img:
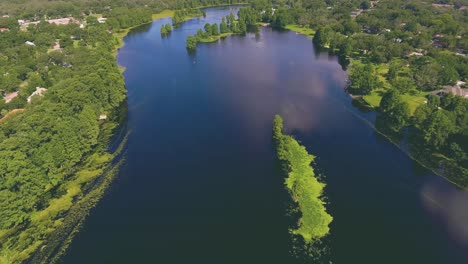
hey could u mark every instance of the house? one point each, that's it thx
(39, 92)
(2, 29)
(455, 90)
(29, 43)
(417, 54)
(10, 96)
(24, 24)
(62, 21)
(356, 13)
(442, 5)
(56, 46)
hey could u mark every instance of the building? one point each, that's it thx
(39, 92)
(63, 21)
(455, 90)
(442, 5)
(10, 96)
(24, 24)
(29, 43)
(102, 20)
(56, 46)
(417, 54)
(2, 29)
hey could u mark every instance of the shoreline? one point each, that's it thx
(167, 13)
(423, 162)
(52, 249)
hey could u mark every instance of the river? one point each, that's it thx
(201, 182)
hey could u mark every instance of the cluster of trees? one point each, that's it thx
(363, 78)
(183, 14)
(247, 21)
(166, 29)
(442, 125)
(302, 184)
(438, 126)
(124, 17)
(212, 32)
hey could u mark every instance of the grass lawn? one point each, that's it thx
(413, 100)
(301, 30)
(373, 99)
(214, 38)
(163, 14)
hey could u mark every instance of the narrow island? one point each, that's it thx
(303, 186)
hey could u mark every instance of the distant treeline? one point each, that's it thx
(39, 8)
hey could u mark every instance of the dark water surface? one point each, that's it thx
(201, 183)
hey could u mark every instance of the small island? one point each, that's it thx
(303, 186)
(166, 29)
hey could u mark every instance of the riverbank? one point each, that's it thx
(438, 163)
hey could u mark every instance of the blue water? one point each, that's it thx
(201, 182)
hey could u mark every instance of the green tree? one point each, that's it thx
(214, 30)
(168, 27)
(322, 37)
(208, 29)
(191, 43)
(363, 79)
(366, 4)
(394, 110)
(457, 152)
(437, 128)
(223, 26)
(403, 84)
(242, 27)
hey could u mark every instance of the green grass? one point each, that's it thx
(214, 38)
(413, 100)
(303, 185)
(163, 14)
(374, 98)
(301, 30)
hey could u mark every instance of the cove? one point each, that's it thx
(201, 183)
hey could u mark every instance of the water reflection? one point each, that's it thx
(201, 183)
